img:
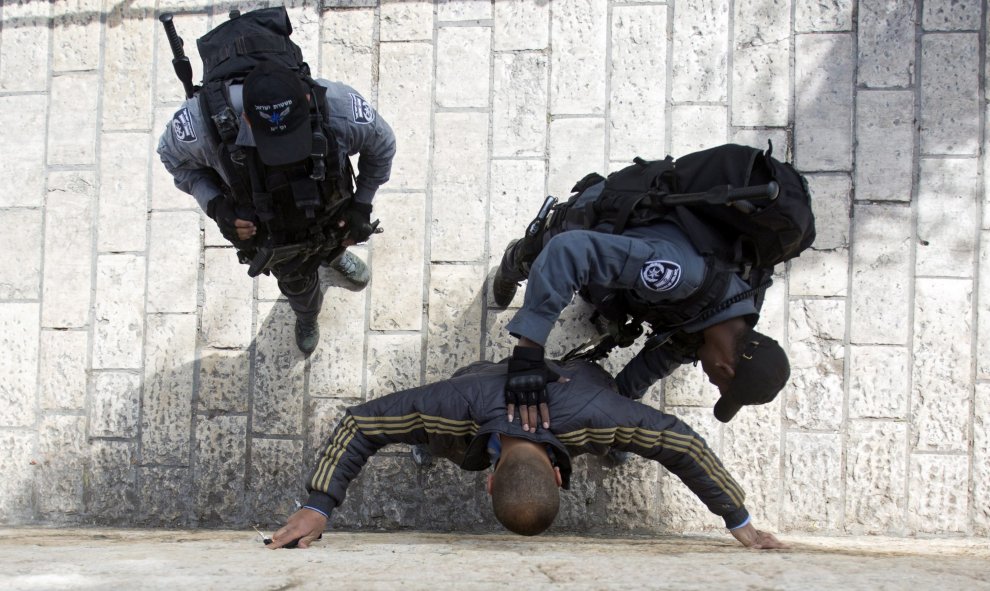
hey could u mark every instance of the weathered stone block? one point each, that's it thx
(638, 84)
(942, 374)
(875, 477)
(878, 386)
(127, 79)
(498, 341)
(279, 379)
(24, 46)
(981, 459)
(462, 54)
(62, 378)
(812, 482)
(688, 386)
(454, 337)
(111, 495)
(573, 327)
(881, 274)
(820, 273)
(577, 147)
(123, 213)
(19, 475)
(406, 20)
(814, 320)
(348, 50)
(397, 262)
(578, 61)
(812, 17)
(460, 187)
(698, 127)
(760, 69)
(62, 454)
(947, 217)
(519, 105)
(166, 496)
(950, 109)
(948, 15)
(395, 362)
(166, 406)
(76, 35)
(219, 469)
(22, 238)
(72, 127)
(463, 10)
(226, 315)
(886, 37)
(773, 316)
(701, 48)
(814, 393)
(939, 498)
(173, 262)
(306, 17)
(752, 439)
(831, 203)
(884, 145)
(18, 364)
(631, 495)
(276, 467)
(224, 381)
(118, 312)
(759, 137)
(823, 130)
(23, 149)
(516, 196)
(67, 281)
(337, 365)
(114, 406)
(521, 24)
(983, 310)
(406, 106)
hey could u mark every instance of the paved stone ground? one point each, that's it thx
(236, 560)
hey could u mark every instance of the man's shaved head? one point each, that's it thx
(525, 493)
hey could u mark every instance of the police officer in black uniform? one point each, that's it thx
(280, 123)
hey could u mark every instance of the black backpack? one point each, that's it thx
(233, 48)
(705, 194)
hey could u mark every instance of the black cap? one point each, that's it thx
(761, 372)
(276, 107)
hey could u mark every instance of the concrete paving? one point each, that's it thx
(236, 560)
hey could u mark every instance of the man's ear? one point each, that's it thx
(558, 477)
(488, 484)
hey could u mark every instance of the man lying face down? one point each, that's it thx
(464, 419)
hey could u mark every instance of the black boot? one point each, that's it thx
(307, 335)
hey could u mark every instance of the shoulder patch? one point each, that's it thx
(182, 127)
(660, 275)
(361, 111)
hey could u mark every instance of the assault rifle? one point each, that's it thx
(269, 256)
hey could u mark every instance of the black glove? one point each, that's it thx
(222, 212)
(525, 386)
(357, 216)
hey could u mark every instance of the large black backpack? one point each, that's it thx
(693, 192)
(233, 48)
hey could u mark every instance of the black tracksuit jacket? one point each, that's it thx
(456, 418)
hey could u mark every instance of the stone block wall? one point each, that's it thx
(146, 380)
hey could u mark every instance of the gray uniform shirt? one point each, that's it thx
(193, 160)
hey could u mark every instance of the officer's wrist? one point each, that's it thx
(526, 353)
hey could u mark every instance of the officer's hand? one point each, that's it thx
(305, 525)
(525, 386)
(357, 220)
(232, 227)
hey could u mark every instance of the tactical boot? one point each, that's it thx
(307, 335)
(502, 291)
(352, 268)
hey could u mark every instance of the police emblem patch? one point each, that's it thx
(182, 127)
(361, 111)
(660, 275)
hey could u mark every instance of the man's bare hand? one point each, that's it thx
(304, 525)
(245, 229)
(756, 539)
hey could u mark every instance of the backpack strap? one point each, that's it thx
(214, 102)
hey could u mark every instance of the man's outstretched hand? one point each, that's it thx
(756, 539)
(526, 386)
(304, 525)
